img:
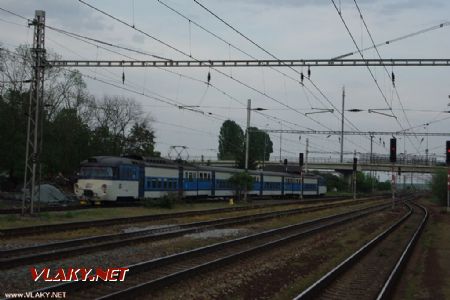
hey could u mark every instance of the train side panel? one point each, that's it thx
(160, 181)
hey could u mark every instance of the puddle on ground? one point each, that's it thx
(216, 233)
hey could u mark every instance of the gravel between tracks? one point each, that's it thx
(35, 240)
(19, 279)
(281, 272)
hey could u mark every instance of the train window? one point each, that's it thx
(201, 175)
(169, 184)
(154, 183)
(209, 176)
(96, 172)
(190, 176)
(164, 183)
(159, 183)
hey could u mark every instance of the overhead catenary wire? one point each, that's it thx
(187, 55)
(391, 76)
(273, 56)
(400, 38)
(79, 37)
(368, 68)
(269, 53)
(109, 44)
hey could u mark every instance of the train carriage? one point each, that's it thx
(109, 178)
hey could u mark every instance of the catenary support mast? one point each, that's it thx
(31, 191)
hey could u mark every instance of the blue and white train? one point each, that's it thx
(111, 178)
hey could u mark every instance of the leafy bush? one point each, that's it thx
(167, 201)
(438, 186)
(241, 182)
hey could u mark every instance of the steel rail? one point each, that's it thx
(27, 255)
(136, 269)
(42, 229)
(386, 291)
(316, 288)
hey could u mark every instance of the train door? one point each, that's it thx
(180, 182)
(261, 186)
(213, 183)
(141, 181)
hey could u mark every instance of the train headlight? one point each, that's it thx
(104, 188)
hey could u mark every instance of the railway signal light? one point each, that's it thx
(300, 159)
(393, 150)
(355, 163)
(285, 161)
(447, 157)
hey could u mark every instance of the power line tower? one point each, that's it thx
(32, 176)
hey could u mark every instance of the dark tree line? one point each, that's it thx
(232, 144)
(76, 124)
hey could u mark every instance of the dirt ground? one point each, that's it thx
(427, 275)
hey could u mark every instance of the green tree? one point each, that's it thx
(260, 146)
(141, 140)
(241, 182)
(231, 141)
(384, 186)
(13, 124)
(364, 182)
(438, 186)
(66, 142)
(335, 182)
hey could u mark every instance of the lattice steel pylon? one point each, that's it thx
(32, 176)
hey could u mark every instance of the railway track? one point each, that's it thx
(43, 229)
(372, 271)
(33, 254)
(149, 276)
(11, 211)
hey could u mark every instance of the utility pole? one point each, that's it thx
(31, 190)
(264, 152)
(247, 141)
(371, 160)
(355, 169)
(281, 139)
(342, 124)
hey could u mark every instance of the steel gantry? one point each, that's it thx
(369, 133)
(417, 62)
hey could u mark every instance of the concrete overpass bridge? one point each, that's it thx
(334, 165)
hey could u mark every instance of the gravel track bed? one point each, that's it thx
(35, 240)
(19, 279)
(365, 279)
(272, 275)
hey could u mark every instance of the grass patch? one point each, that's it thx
(12, 221)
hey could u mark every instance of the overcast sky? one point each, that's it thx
(288, 29)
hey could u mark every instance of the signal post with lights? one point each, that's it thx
(393, 159)
(355, 168)
(301, 162)
(447, 160)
